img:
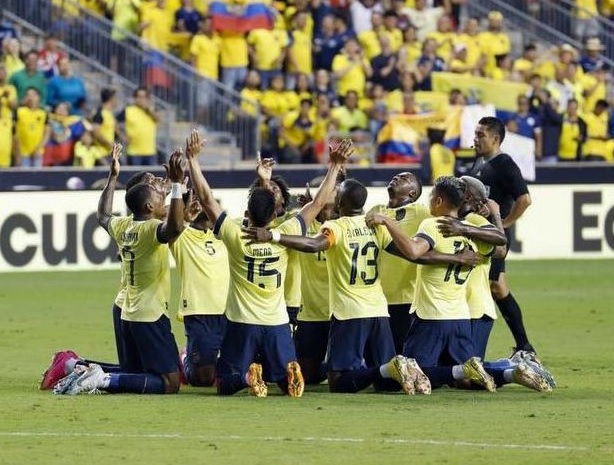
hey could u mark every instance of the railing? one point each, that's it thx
(170, 79)
(102, 77)
(549, 22)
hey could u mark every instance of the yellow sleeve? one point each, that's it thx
(428, 231)
(295, 226)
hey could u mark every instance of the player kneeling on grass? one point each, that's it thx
(202, 263)
(481, 221)
(258, 326)
(150, 348)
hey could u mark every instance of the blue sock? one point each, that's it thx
(357, 380)
(106, 367)
(502, 363)
(439, 376)
(141, 383)
(497, 374)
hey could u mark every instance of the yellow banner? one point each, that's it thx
(501, 94)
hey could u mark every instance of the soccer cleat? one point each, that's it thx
(57, 369)
(528, 376)
(257, 386)
(91, 381)
(474, 371)
(182, 358)
(520, 356)
(66, 383)
(400, 371)
(296, 383)
(422, 384)
(543, 371)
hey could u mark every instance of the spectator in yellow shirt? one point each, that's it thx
(410, 51)
(301, 91)
(297, 135)
(267, 50)
(597, 146)
(351, 69)
(275, 105)
(369, 39)
(156, 26)
(32, 131)
(141, 126)
(444, 36)
(526, 65)
(349, 117)
(470, 38)
(233, 58)
(205, 52)
(494, 41)
(391, 30)
(8, 103)
(573, 134)
(87, 154)
(299, 53)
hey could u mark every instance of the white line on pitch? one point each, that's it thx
(401, 441)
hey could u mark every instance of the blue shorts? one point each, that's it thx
(149, 347)
(204, 335)
(244, 343)
(359, 343)
(480, 332)
(439, 342)
(117, 329)
(311, 339)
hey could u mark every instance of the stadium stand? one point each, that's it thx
(287, 77)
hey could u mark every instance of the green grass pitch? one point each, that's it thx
(568, 311)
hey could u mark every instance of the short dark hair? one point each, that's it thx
(283, 187)
(137, 196)
(261, 206)
(354, 193)
(452, 189)
(107, 94)
(602, 103)
(136, 179)
(494, 125)
(530, 47)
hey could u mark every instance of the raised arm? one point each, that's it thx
(300, 243)
(412, 248)
(174, 225)
(105, 204)
(194, 145)
(338, 156)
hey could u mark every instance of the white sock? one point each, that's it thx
(508, 375)
(384, 370)
(69, 365)
(105, 382)
(458, 373)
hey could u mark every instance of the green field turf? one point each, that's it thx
(568, 308)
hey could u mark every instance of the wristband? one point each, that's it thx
(275, 235)
(176, 191)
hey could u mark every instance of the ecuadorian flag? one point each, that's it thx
(242, 18)
(397, 142)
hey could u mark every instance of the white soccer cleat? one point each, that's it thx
(90, 381)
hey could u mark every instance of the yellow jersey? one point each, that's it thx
(314, 291)
(6, 123)
(354, 79)
(141, 130)
(158, 33)
(296, 133)
(369, 42)
(107, 122)
(268, 47)
(441, 289)
(597, 126)
(395, 36)
(300, 50)
(355, 289)
(233, 53)
(88, 155)
(275, 102)
(398, 276)
(292, 281)
(474, 49)
(202, 263)
(250, 99)
(569, 140)
(206, 53)
(145, 268)
(445, 43)
(479, 298)
(30, 125)
(257, 274)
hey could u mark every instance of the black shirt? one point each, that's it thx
(502, 176)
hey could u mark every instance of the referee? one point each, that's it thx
(507, 187)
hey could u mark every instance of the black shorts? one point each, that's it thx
(497, 265)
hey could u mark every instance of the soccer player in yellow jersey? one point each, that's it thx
(398, 276)
(524, 368)
(202, 262)
(150, 349)
(258, 321)
(359, 331)
(440, 334)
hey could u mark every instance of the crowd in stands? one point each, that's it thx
(347, 67)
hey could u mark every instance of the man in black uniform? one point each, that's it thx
(507, 187)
